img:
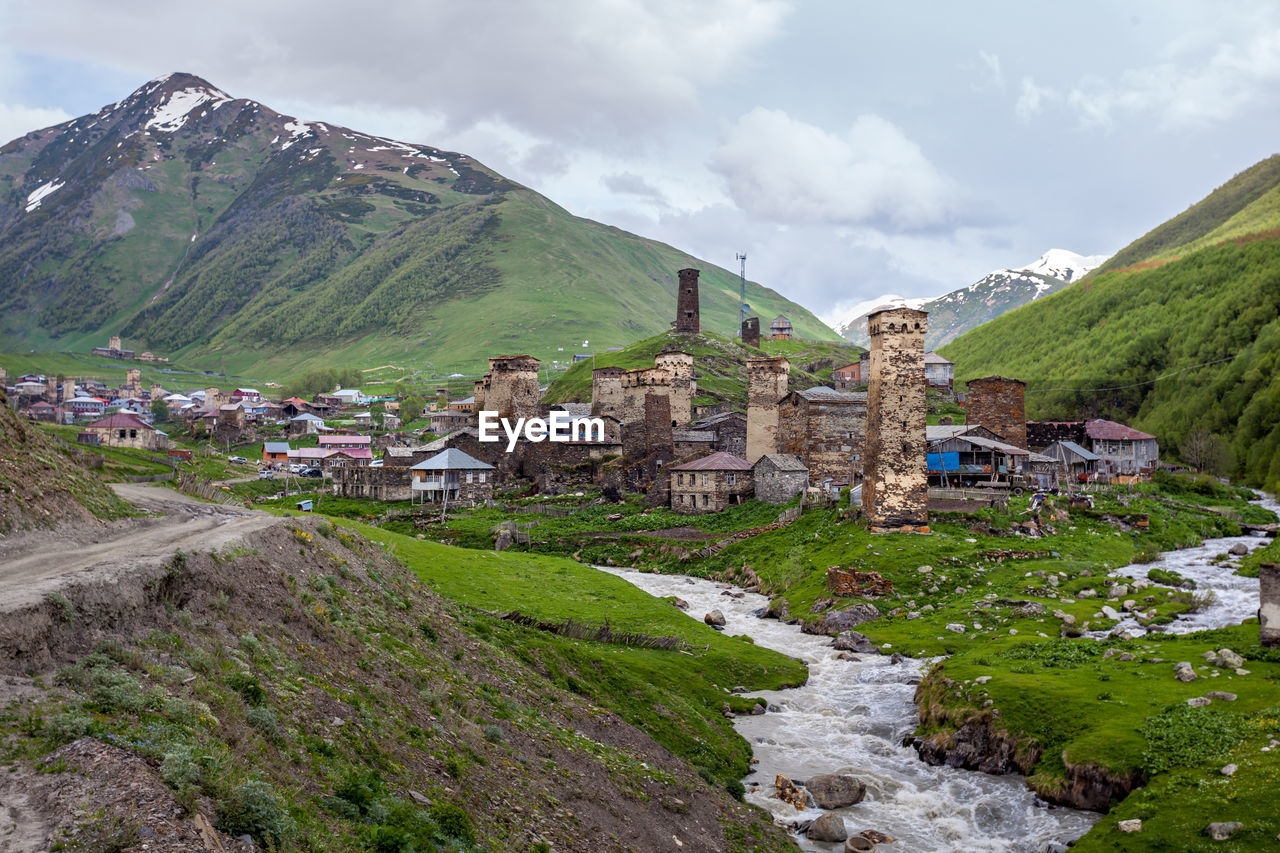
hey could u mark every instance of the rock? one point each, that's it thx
(1228, 658)
(1087, 593)
(681, 603)
(1198, 701)
(1229, 770)
(829, 827)
(1110, 612)
(852, 641)
(757, 709)
(790, 793)
(1053, 580)
(503, 540)
(1125, 656)
(1134, 825)
(955, 627)
(925, 569)
(1238, 550)
(1221, 695)
(1109, 653)
(1223, 831)
(1128, 604)
(851, 617)
(714, 618)
(1184, 672)
(778, 609)
(858, 844)
(831, 791)
(876, 837)
(896, 657)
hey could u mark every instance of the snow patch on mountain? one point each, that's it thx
(40, 193)
(173, 113)
(843, 318)
(1063, 264)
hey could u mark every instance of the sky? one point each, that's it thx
(850, 149)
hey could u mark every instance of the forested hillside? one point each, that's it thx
(1184, 349)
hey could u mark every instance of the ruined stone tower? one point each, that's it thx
(766, 386)
(688, 320)
(157, 393)
(512, 386)
(213, 398)
(895, 491)
(999, 404)
(606, 392)
(133, 379)
(69, 391)
(751, 332)
(478, 398)
(637, 385)
(683, 387)
(113, 343)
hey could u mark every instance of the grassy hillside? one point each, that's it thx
(248, 241)
(720, 364)
(1247, 204)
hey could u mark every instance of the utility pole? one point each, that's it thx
(742, 288)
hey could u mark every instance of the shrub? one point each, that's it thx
(68, 726)
(247, 685)
(1182, 736)
(112, 690)
(1169, 578)
(263, 720)
(493, 734)
(254, 808)
(736, 789)
(453, 821)
(62, 606)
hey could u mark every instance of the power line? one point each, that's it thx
(1137, 384)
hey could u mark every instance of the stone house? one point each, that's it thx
(452, 476)
(779, 477)
(123, 429)
(730, 429)
(826, 430)
(375, 484)
(687, 442)
(938, 372)
(305, 424)
(710, 484)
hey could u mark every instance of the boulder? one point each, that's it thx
(715, 618)
(1229, 770)
(1221, 695)
(1110, 612)
(681, 603)
(1238, 550)
(503, 540)
(842, 620)
(789, 792)
(1183, 671)
(1223, 831)
(858, 844)
(1198, 701)
(832, 791)
(852, 641)
(1230, 659)
(955, 627)
(829, 827)
(1134, 825)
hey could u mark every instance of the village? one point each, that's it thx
(870, 431)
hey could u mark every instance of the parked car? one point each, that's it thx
(238, 459)
(266, 474)
(312, 472)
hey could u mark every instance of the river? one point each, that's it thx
(851, 717)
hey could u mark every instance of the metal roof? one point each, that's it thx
(121, 420)
(934, 358)
(579, 409)
(989, 443)
(452, 459)
(276, 447)
(692, 435)
(1075, 449)
(721, 461)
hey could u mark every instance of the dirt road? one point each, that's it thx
(36, 563)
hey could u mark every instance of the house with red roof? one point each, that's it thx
(123, 429)
(710, 483)
(1122, 451)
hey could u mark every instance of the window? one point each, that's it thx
(704, 479)
(469, 477)
(121, 433)
(733, 479)
(706, 499)
(481, 476)
(133, 433)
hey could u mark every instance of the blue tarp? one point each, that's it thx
(943, 461)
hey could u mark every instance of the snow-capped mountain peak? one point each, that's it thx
(1063, 264)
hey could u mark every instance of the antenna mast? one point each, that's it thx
(742, 287)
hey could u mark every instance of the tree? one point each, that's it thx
(159, 411)
(411, 407)
(1205, 451)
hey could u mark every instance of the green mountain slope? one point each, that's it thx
(216, 229)
(1175, 347)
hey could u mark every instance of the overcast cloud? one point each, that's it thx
(848, 148)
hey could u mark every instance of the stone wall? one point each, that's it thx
(776, 486)
(826, 433)
(895, 492)
(1269, 605)
(999, 404)
(606, 392)
(1043, 434)
(375, 484)
(637, 386)
(512, 386)
(688, 319)
(766, 386)
(751, 332)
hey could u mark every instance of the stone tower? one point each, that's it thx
(51, 389)
(637, 386)
(1269, 604)
(68, 390)
(512, 386)
(478, 392)
(751, 332)
(212, 398)
(606, 392)
(999, 404)
(688, 320)
(895, 491)
(113, 343)
(133, 379)
(766, 386)
(683, 386)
